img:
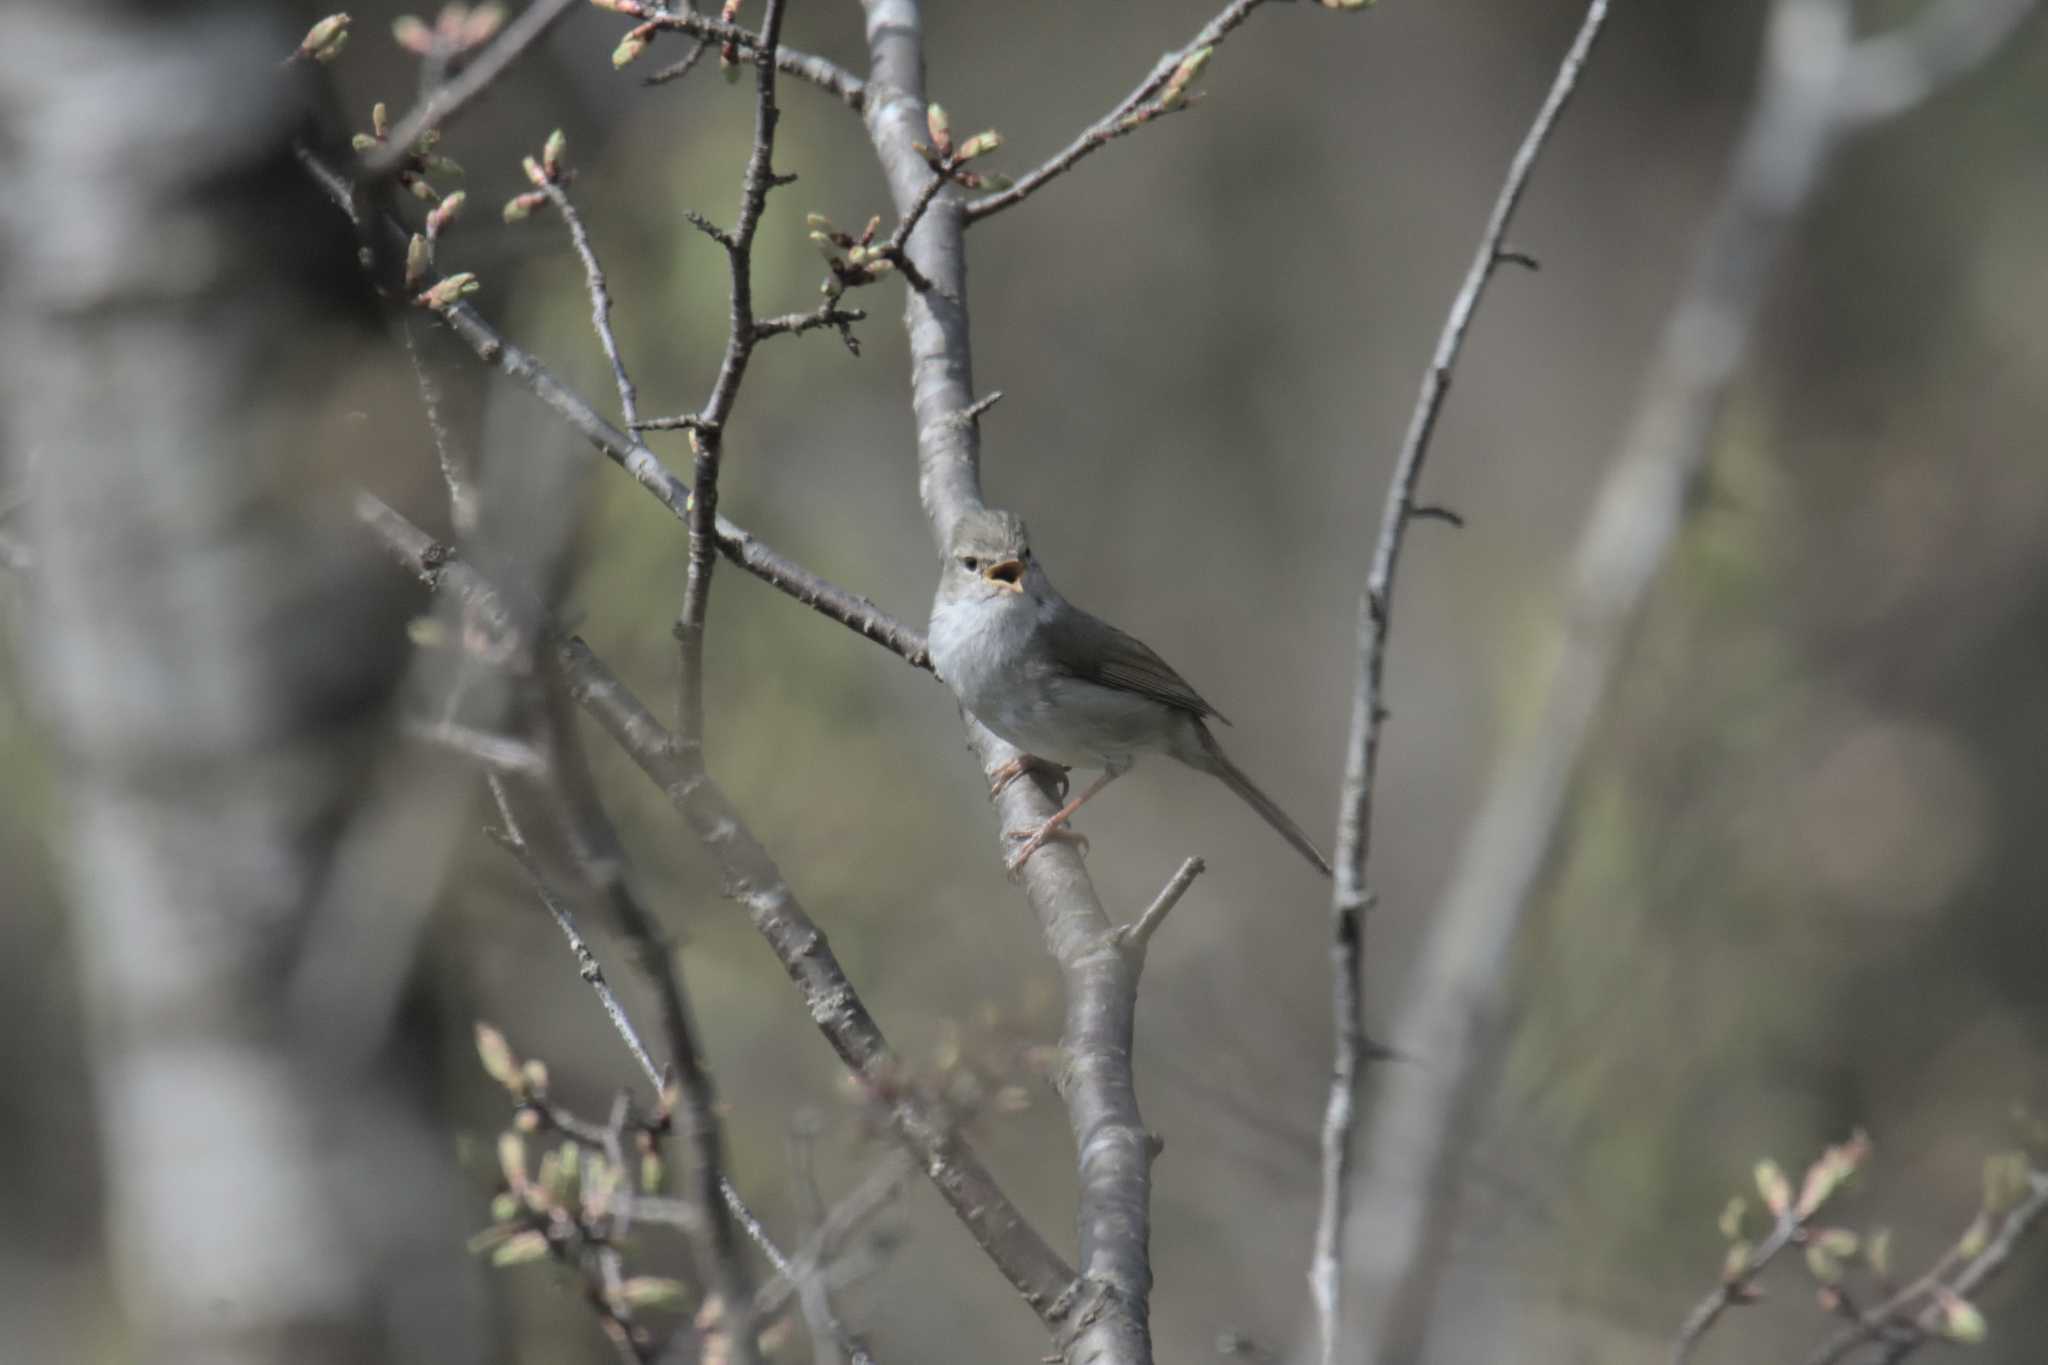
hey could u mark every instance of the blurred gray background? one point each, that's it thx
(1800, 888)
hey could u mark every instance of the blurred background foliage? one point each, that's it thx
(1800, 891)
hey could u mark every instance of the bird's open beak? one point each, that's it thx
(1008, 573)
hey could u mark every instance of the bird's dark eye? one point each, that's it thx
(970, 562)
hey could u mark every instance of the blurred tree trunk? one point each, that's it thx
(208, 662)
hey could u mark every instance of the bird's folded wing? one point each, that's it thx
(1089, 648)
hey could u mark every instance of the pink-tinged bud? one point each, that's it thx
(1877, 1250)
(482, 25)
(534, 170)
(729, 62)
(1960, 1319)
(632, 45)
(323, 41)
(519, 209)
(512, 1161)
(552, 151)
(868, 233)
(632, 9)
(449, 292)
(650, 1291)
(1347, 4)
(492, 1049)
(1772, 1185)
(362, 142)
(729, 11)
(941, 129)
(420, 189)
(979, 145)
(380, 120)
(1191, 66)
(445, 213)
(520, 1248)
(1822, 1265)
(418, 257)
(412, 34)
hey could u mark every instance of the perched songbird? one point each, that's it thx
(1068, 689)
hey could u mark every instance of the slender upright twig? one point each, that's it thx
(1812, 95)
(1350, 897)
(600, 302)
(707, 440)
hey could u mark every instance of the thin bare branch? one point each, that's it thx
(1734, 1288)
(675, 71)
(1797, 122)
(876, 1191)
(827, 76)
(600, 302)
(497, 753)
(1350, 896)
(513, 840)
(465, 500)
(1130, 114)
(478, 76)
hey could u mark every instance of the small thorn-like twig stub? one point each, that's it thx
(1429, 511)
(972, 413)
(1137, 935)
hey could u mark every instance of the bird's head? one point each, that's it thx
(988, 558)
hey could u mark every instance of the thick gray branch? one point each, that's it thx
(1110, 1324)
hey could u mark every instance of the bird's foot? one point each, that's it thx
(1023, 765)
(1052, 830)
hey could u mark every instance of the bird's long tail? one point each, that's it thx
(1212, 759)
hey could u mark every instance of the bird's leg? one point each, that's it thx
(1052, 828)
(1022, 765)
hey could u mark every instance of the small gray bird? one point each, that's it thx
(1068, 689)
